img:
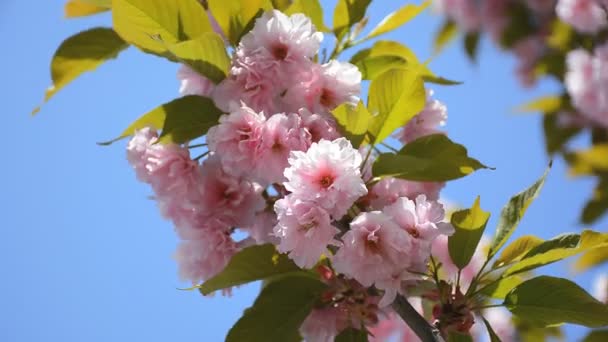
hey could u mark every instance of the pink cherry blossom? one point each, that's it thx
(391, 325)
(199, 260)
(500, 321)
(426, 122)
(137, 149)
(496, 17)
(528, 51)
(171, 171)
(304, 230)
(421, 218)
(584, 15)
(328, 174)
(388, 190)
(236, 138)
(441, 253)
(324, 324)
(464, 13)
(600, 288)
(319, 126)
(375, 251)
(587, 83)
(280, 135)
(193, 83)
(261, 231)
(227, 198)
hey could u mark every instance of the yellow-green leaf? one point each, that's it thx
(433, 158)
(100, 3)
(310, 8)
(516, 250)
(398, 18)
(395, 97)
(502, 287)
(181, 120)
(469, 225)
(353, 121)
(153, 25)
(545, 104)
(445, 35)
(205, 54)
(347, 13)
(513, 212)
(549, 301)
(592, 258)
(236, 17)
(559, 248)
(80, 53)
(251, 264)
(352, 335)
(589, 161)
(80, 8)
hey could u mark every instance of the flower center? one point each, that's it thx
(327, 98)
(413, 232)
(279, 51)
(326, 181)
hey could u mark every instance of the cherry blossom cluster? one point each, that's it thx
(278, 169)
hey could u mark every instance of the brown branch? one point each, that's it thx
(416, 322)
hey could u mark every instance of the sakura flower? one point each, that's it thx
(464, 12)
(324, 324)
(304, 229)
(171, 171)
(388, 190)
(236, 139)
(375, 251)
(496, 17)
(587, 83)
(280, 135)
(425, 123)
(318, 126)
(391, 325)
(261, 231)
(600, 288)
(278, 37)
(528, 51)
(584, 15)
(328, 174)
(227, 198)
(193, 83)
(199, 260)
(136, 151)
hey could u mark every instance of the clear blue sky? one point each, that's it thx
(85, 255)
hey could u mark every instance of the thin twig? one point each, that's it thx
(425, 331)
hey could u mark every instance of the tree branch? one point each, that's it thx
(416, 322)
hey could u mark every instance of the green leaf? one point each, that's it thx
(446, 34)
(398, 18)
(372, 67)
(251, 264)
(181, 120)
(493, 336)
(517, 249)
(469, 225)
(281, 5)
(432, 78)
(80, 8)
(205, 54)
(558, 248)
(433, 158)
(596, 336)
(548, 301)
(454, 336)
(592, 258)
(353, 122)
(395, 97)
(153, 25)
(348, 13)
(556, 134)
(80, 53)
(597, 204)
(502, 287)
(545, 104)
(513, 212)
(471, 42)
(100, 3)
(310, 8)
(237, 17)
(351, 335)
(589, 161)
(278, 311)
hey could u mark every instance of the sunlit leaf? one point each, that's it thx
(347, 13)
(398, 18)
(205, 54)
(100, 3)
(592, 258)
(395, 97)
(445, 35)
(513, 212)
(181, 120)
(433, 158)
(80, 8)
(590, 160)
(353, 122)
(548, 301)
(469, 225)
(517, 249)
(501, 288)
(236, 17)
(80, 53)
(153, 25)
(278, 312)
(310, 8)
(545, 104)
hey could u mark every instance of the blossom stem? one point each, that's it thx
(389, 147)
(425, 331)
(197, 145)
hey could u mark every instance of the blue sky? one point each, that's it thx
(85, 255)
